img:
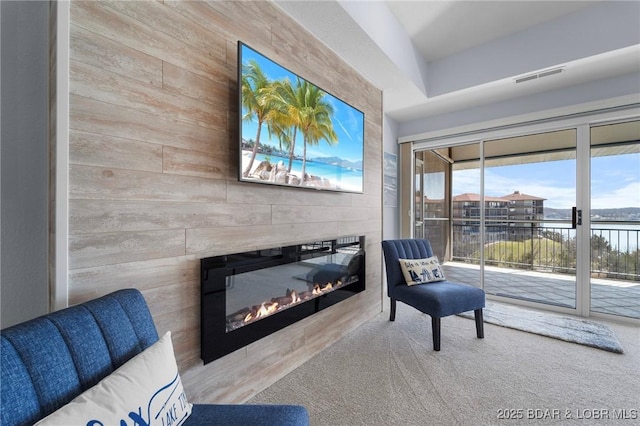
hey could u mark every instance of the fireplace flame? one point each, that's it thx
(267, 308)
(264, 310)
(317, 290)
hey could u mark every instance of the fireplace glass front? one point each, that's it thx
(246, 296)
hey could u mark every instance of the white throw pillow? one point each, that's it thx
(146, 390)
(421, 271)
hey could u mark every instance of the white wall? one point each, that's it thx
(390, 220)
(624, 85)
(24, 164)
(597, 29)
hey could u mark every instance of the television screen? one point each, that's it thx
(292, 132)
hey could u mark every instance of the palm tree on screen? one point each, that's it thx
(286, 109)
(285, 117)
(315, 119)
(255, 86)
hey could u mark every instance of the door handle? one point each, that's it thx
(576, 217)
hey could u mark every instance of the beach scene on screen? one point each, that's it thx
(294, 133)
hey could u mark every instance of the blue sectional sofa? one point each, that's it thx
(48, 361)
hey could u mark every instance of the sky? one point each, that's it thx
(615, 181)
(348, 122)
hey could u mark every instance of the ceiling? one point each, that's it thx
(466, 24)
(436, 57)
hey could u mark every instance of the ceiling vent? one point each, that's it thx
(538, 75)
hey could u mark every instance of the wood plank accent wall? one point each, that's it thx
(153, 176)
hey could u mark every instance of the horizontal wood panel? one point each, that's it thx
(200, 377)
(92, 216)
(106, 249)
(95, 83)
(371, 198)
(95, 281)
(217, 88)
(98, 17)
(180, 323)
(365, 227)
(98, 183)
(99, 117)
(235, 22)
(186, 162)
(318, 215)
(169, 319)
(217, 241)
(158, 17)
(176, 298)
(335, 324)
(109, 151)
(249, 192)
(90, 48)
(186, 347)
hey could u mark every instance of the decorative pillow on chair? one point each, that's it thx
(421, 271)
(146, 390)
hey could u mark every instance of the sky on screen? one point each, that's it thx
(348, 122)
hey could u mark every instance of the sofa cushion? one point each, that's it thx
(248, 414)
(20, 403)
(48, 361)
(145, 390)
(421, 271)
(35, 380)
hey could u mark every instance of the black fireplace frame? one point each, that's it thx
(215, 341)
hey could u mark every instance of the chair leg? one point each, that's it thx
(479, 323)
(392, 315)
(435, 329)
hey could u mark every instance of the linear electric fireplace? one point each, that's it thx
(247, 296)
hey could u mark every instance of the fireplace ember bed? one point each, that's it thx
(247, 296)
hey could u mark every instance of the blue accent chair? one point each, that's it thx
(438, 299)
(48, 361)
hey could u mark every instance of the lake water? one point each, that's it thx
(623, 237)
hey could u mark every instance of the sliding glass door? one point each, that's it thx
(432, 200)
(529, 227)
(615, 219)
(548, 217)
(466, 218)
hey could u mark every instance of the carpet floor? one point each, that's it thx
(386, 373)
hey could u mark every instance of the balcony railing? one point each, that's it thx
(547, 248)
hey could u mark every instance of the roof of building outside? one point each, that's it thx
(468, 196)
(516, 196)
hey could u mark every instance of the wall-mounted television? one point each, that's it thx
(293, 133)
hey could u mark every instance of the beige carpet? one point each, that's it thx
(385, 373)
